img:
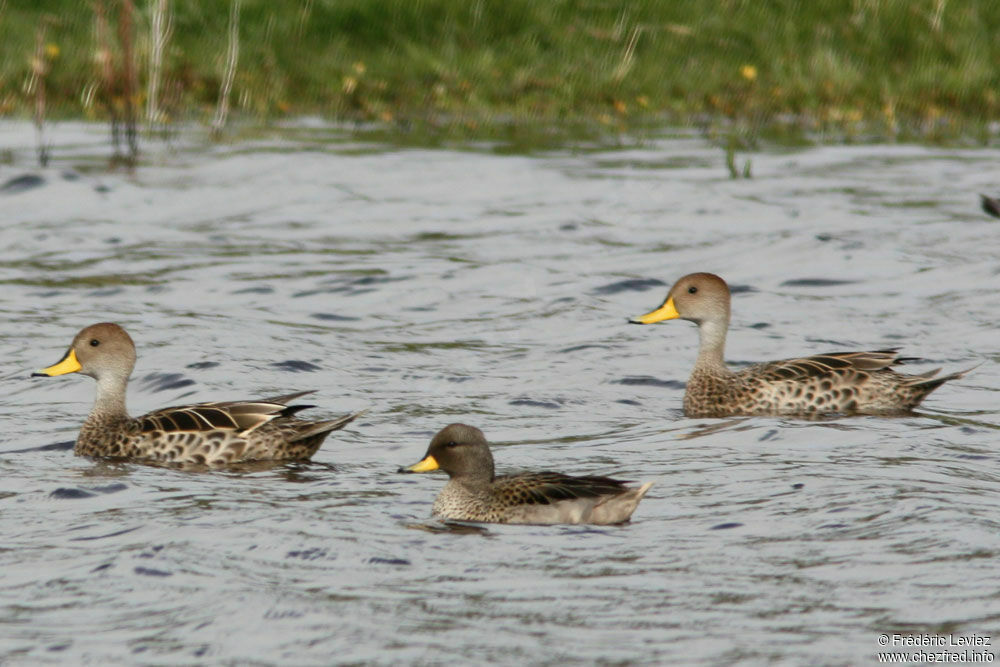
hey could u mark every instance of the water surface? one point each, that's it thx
(433, 286)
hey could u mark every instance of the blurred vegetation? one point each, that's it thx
(839, 69)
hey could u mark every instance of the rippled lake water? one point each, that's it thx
(433, 286)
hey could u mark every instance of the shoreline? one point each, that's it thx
(444, 70)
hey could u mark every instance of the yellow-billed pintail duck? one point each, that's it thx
(838, 382)
(207, 433)
(475, 493)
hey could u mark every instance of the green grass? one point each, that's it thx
(838, 69)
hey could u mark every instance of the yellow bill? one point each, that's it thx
(428, 464)
(68, 364)
(665, 312)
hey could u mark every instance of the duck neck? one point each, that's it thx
(712, 334)
(110, 400)
(480, 471)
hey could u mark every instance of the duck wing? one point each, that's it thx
(544, 488)
(242, 417)
(833, 363)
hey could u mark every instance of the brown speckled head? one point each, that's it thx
(100, 350)
(459, 450)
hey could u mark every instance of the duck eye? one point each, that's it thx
(692, 290)
(451, 443)
(94, 342)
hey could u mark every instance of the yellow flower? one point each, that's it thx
(52, 51)
(748, 72)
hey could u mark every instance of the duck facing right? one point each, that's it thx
(832, 383)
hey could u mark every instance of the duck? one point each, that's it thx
(823, 384)
(991, 205)
(475, 493)
(209, 434)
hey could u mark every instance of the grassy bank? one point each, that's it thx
(910, 68)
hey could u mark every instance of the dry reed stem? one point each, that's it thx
(39, 69)
(130, 75)
(628, 55)
(939, 6)
(105, 62)
(222, 112)
(159, 34)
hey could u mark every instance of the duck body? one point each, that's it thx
(837, 382)
(540, 498)
(210, 434)
(833, 383)
(475, 493)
